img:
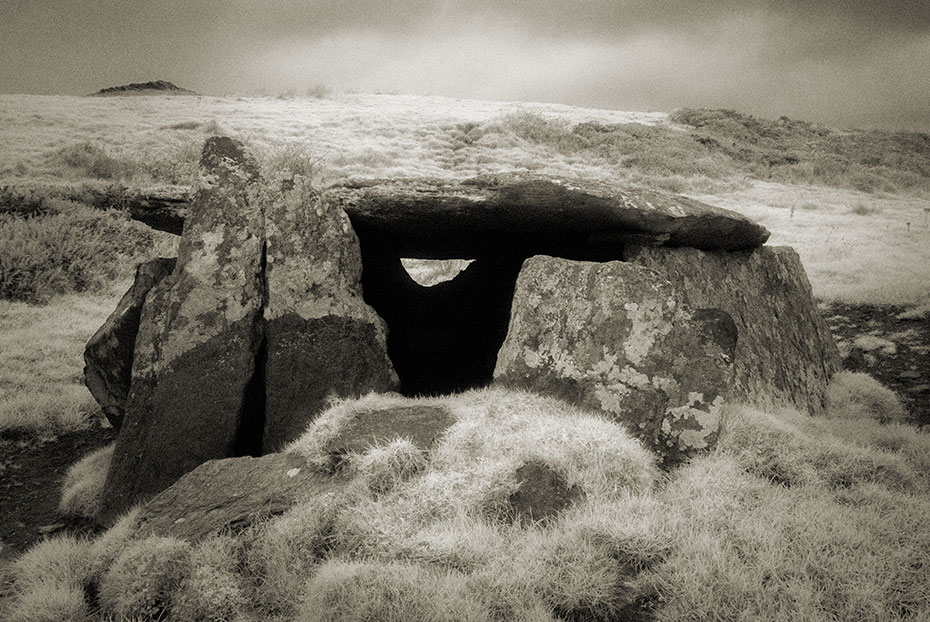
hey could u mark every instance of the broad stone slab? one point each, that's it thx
(431, 218)
(108, 355)
(442, 218)
(322, 340)
(615, 337)
(785, 355)
(197, 341)
(231, 494)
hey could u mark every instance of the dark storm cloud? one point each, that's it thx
(827, 60)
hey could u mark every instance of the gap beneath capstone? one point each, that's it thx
(443, 338)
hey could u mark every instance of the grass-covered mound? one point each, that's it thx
(790, 517)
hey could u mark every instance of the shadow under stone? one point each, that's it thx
(445, 338)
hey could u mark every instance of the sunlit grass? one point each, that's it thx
(41, 361)
(790, 517)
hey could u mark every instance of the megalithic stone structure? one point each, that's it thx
(260, 323)
(198, 338)
(321, 339)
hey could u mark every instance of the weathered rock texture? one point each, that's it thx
(581, 219)
(785, 355)
(423, 425)
(109, 353)
(231, 494)
(615, 337)
(321, 337)
(198, 339)
(261, 321)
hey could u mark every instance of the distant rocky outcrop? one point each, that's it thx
(157, 87)
(653, 309)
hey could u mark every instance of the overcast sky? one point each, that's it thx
(845, 62)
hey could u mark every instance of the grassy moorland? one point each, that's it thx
(790, 518)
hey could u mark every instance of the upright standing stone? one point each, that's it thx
(614, 337)
(198, 338)
(322, 339)
(785, 355)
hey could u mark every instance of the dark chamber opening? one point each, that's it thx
(444, 338)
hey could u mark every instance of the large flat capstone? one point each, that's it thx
(530, 215)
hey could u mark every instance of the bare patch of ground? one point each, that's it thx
(31, 473)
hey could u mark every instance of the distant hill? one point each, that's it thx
(158, 87)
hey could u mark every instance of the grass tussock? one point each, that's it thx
(83, 485)
(804, 153)
(856, 395)
(789, 517)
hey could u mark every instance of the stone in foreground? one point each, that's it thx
(198, 339)
(614, 337)
(232, 494)
(108, 355)
(785, 355)
(322, 340)
(542, 493)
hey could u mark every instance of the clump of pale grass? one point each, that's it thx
(792, 449)
(790, 517)
(83, 487)
(857, 394)
(384, 466)
(285, 550)
(312, 445)
(51, 602)
(392, 590)
(145, 577)
(747, 549)
(50, 581)
(214, 590)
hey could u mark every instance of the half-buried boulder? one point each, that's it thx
(232, 494)
(785, 355)
(615, 338)
(542, 493)
(109, 353)
(321, 339)
(198, 339)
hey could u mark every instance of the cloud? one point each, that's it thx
(831, 60)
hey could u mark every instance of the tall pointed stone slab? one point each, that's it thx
(198, 338)
(615, 338)
(321, 339)
(785, 355)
